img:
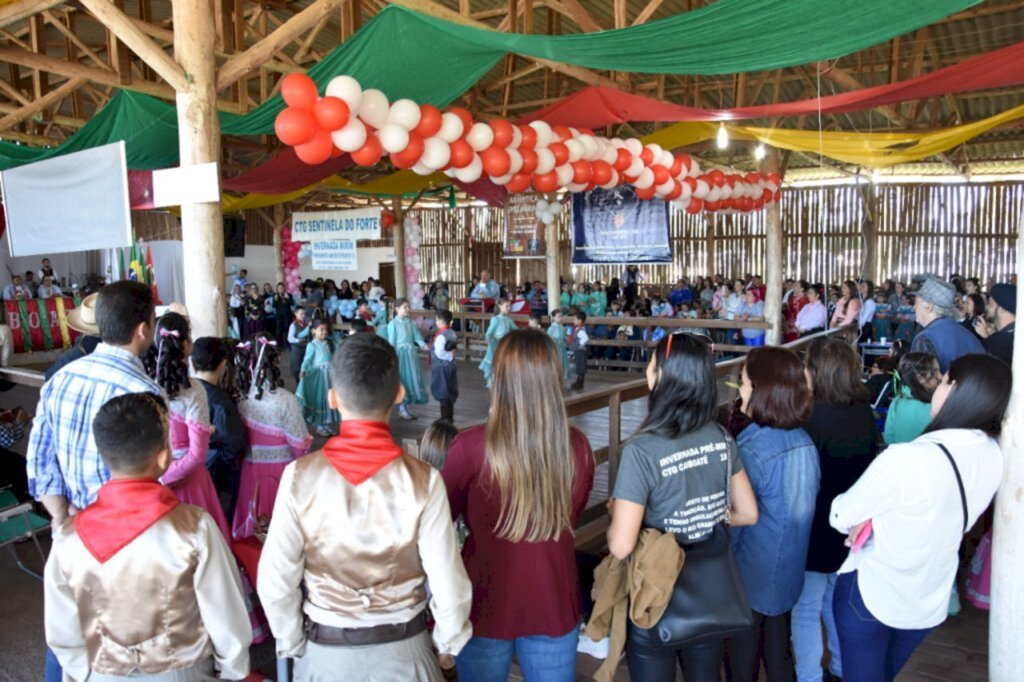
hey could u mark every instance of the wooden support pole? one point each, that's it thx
(279, 220)
(202, 225)
(869, 232)
(22, 9)
(1006, 622)
(398, 239)
(773, 255)
(710, 221)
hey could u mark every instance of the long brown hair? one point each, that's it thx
(781, 398)
(528, 448)
(835, 370)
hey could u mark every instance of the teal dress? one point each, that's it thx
(313, 386)
(882, 321)
(405, 337)
(905, 320)
(565, 300)
(557, 333)
(600, 305)
(907, 418)
(581, 301)
(500, 326)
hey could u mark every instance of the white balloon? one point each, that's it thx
(480, 137)
(666, 159)
(394, 138)
(405, 113)
(589, 144)
(450, 172)
(687, 192)
(574, 187)
(575, 149)
(542, 206)
(564, 174)
(634, 146)
(451, 127)
(351, 137)
(655, 151)
(645, 179)
(610, 154)
(544, 133)
(545, 161)
(500, 179)
(345, 88)
(517, 137)
(472, 172)
(617, 143)
(515, 161)
(436, 153)
(725, 191)
(715, 194)
(665, 187)
(636, 167)
(374, 108)
(547, 219)
(421, 169)
(702, 189)
(695, 169)
(683, 201)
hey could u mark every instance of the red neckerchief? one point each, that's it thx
(123, 510)
(430, 355)
(361, 449)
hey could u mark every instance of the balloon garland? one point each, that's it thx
(421, 137)
(413, 264)
(290, 259)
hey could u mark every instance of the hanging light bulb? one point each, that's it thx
(759, 151)
(722, 139)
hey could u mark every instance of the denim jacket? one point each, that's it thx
(771, 555)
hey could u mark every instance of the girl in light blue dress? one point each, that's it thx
(315, 380)
(406, 338)
(557, 333)
(501, 324)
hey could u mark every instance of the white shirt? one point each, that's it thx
(812, 316)
(867, 312)
(732, 305)
(439, 349)
(376, 293)
(911, 496)
(49, 291)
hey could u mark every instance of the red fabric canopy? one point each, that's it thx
(285, 173)
(596, 107)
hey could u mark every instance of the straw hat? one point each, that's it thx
(83, 318)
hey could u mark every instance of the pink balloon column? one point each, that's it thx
(413, 264)
(290, 258)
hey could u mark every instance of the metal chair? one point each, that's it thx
(17, 523)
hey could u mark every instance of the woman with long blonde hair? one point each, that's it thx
(521, 481)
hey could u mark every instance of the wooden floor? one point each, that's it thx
(955, 652)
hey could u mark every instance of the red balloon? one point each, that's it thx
(587, 131)
(317, 150)
(529, 159)
(661, 175)
(331, 113)
(692, 182)
(560, 151)
(462, 154)
(519, 182)
(712, 205)
(387, 219)
(335, 152)
(681, 164)
(299, 90)
(496, 161)
(502, 133)
(774, 178)
(647, 193)
(602, 172)
(369, 154)
(759, 203)
(716, 177)
(529, 137)
(629, 179)
(623, 159)
(546, 182)
(467, 119)
(752, 178)
(677, 191)
(562, 132)
(430, 121)
(412, 153)
(766, 195)
(695, 206)
(778, 195)
(294, 126)
(647, 156)
(748, 204)
(582, 171)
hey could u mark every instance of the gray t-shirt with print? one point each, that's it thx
(681, 482)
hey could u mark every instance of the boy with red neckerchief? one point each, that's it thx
(444, 380)
(358, 528)
(137, 584)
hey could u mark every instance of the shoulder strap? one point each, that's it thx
(728, 472)
(959, 482)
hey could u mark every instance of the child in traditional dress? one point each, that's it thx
(444, 381)
(358, 530)
(579, 349)
(298, 339)
(137, 569)
(314, 380)
(275, 430)
(500, 325)
(881, 323)
(166, 363)
(556, 330)
(406, 338)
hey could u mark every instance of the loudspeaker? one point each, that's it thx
(234, 237)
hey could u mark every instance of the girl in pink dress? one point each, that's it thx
(167, 364)
(275, 428)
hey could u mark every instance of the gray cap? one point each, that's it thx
(939, 293)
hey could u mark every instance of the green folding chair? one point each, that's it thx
(17, 523)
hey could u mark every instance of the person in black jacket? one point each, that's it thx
(842, 427)
(228, 443)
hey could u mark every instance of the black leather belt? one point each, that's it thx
(378, 634)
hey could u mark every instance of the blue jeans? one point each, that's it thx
(54, 673)
(756, 341)
(872, 651)
(813, 607)
(542, 658)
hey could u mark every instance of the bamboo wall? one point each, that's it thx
(966, 228)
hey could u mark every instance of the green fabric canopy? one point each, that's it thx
(408, 54)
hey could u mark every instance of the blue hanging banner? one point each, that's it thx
(615, 226)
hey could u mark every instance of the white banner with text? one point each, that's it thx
(335, 255)
(353, 224)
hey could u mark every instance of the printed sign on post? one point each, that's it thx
(335, 255)
(354, 224)
(524, 230)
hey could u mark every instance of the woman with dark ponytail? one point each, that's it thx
(166, 362)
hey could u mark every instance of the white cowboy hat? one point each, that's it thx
(83, 318)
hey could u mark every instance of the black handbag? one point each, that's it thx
(709, 602)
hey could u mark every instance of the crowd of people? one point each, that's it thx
(47, 284)
(836, 502)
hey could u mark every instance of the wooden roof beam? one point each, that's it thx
(49, 99)
(23, 9)
(243, 63)
(647, 12)
(55, 21)
(578, 13)
(129, 33)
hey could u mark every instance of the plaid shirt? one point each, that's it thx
(62, 455)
